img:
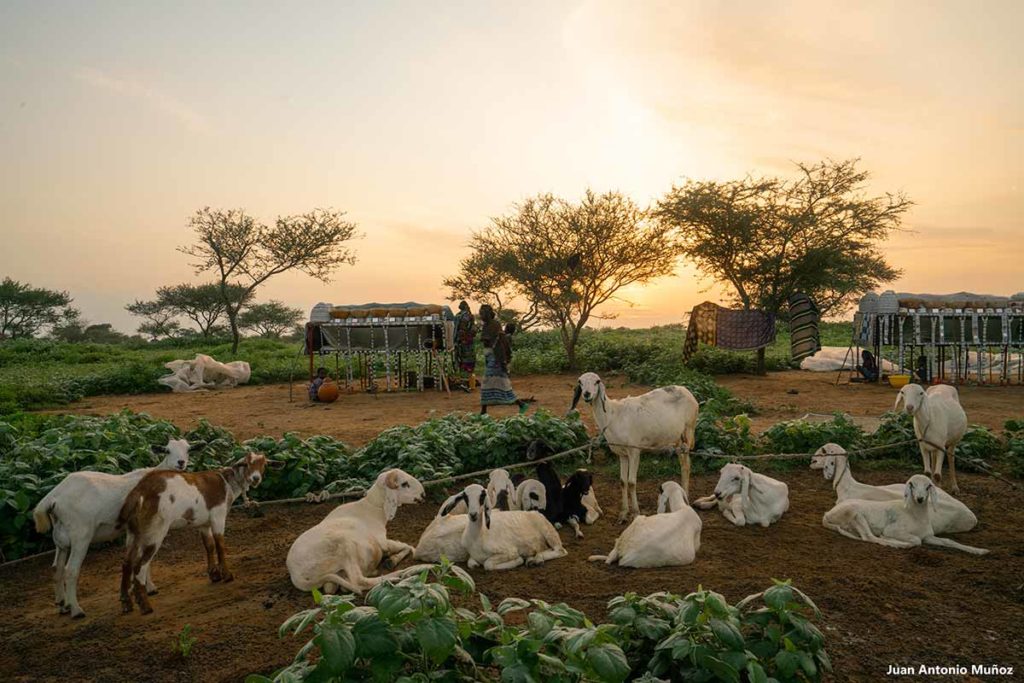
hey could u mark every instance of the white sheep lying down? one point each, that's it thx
(352, 541)
(949, 515)
(503, 540)
(746, 497)
(894, 523)
(667, 539)
(443, 536)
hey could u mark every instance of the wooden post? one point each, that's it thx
(309, 347)
(760, 361)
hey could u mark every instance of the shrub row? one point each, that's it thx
(41, 373)
(37, 452)
(411, 632)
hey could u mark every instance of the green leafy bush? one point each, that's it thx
(979, 444)
(37, 452)
(1013, 431)
(410, 631)
(803, 436)
(896, 427)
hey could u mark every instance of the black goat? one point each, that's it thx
(565, 503)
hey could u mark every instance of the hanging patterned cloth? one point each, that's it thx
(728, 328)
(804, 338)
(702, 328)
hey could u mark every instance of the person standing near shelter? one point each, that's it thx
(496, 389)
(465, 349)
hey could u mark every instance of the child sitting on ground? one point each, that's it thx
(318, 381)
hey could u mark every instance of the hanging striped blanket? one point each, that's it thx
(728, 328)
(803, 326)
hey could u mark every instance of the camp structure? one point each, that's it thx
(953, 338)
(408, 346)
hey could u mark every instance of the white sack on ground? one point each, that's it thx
(830, 359)
(204, 372)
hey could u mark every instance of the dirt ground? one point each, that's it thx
(357, 418)
(880, 605)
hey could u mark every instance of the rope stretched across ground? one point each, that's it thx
(589, 448)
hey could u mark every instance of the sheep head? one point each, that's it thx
(477, 504)
(821, 456)
(249, 469)
(919, 491)
(672, 497)
(588, 386)
(912, 396)
(734, 478)
(175, 455)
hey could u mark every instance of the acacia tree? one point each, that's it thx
(202, 304)
(25, 310)
(480, 279)
(767, 238)
(567, 259)
(244, 253)
(270, 320)
(159, 319)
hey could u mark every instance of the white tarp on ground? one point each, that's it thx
(205, 372)
(830, 359)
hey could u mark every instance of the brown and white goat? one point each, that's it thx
(166, 500)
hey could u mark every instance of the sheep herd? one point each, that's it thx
(512, 521)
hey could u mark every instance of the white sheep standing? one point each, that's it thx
(82, 509)
(661, 419)
(949, 516)
(894, 523)
(939, 423)
(668, 539)
(352, 541)
(747, 497)
(504, 540)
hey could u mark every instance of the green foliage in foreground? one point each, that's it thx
(1013, 431)
(39, 373)
(411, 632)
(37, 452)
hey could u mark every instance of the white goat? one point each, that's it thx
(352, 540)
(499, 482)
(661, 419)
(939, 423)
(667, 539)
(530, 495)
(82, 509)
(894, 523)
(950, 516)
(443, 536)
(503, 540)
(746, 497)
(593, 507)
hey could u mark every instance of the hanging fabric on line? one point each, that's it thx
(728, 328)
(804, 337)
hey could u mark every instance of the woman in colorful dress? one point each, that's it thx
(496, 389)
(465, 336)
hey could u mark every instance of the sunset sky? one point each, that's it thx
(422, 120)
